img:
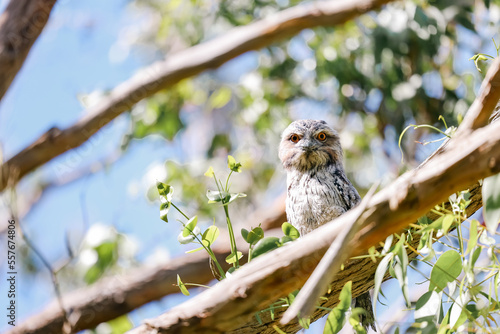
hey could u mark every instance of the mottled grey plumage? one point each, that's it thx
(318, 189)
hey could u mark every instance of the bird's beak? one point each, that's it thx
(308, 146)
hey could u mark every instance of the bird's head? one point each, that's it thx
(308, 145)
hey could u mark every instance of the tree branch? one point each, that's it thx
(20, 25)
(184, 64)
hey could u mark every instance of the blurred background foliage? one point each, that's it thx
(370, 78)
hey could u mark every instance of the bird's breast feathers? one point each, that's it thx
(316, 198)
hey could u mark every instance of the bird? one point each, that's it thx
(318, 189)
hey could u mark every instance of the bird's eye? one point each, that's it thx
(294, 138)
(321, 136)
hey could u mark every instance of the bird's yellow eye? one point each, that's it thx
(294, 138)
(321, 136)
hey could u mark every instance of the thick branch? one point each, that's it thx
(256, 285)
(182, 65)
(20, 25)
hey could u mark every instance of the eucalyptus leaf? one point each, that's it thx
(284, 239)
(428, 305)
(446, 269)
(220, 98)
(231, 258)
(166, 193)
(233, 165)
(194, 250)
(185, 239)
(244, 234)
(447, 222)
(189, 228)
(380, 273)
(400, 273)
(265, 245)
(182, 287)
(436, 225)
(210, 235)
(290, 230)
(336, 317)
(472, 236)
(210, 172)
(491, 200)
(253, 236)
(217, 196)
(233, 197)
(355, 320)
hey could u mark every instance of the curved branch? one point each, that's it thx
(20, 25)
(184, 64)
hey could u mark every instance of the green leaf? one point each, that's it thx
(444, 326)
(253, 236)
(182, 287)
(290, 230)
(336, 318)
(447, 222)
(210, 172)
(284, 239)
(355, 320)
(475, 256)
(244, 234)
(387, 244)
(219, 98)
(232, 259)
(194, 250)
(428, 305)
(446, 269)
(457, 315)
(233, 165)
(491, 200)
(380, 273)
(210, 235)
(233, 197)
(120, 325)
(185, 239)
(472, 236)
(166, 192)
(217, 196)
(372, 251)
(189, 227)
(265, 245)
(345, 297)
(436, 225)
(305, 322)
(402, 278)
